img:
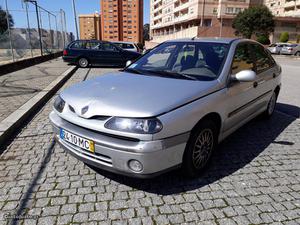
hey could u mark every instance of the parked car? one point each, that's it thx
(93, 52)
(168, 109)
(291, 49)
(276, 47)
(129, 46)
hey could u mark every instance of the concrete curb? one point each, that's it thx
(14, 121)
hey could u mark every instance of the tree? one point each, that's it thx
(263, 39)
(146, 32)
(257, 20)
(3, 21)
(284, 37)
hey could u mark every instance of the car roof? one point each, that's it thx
(206, 39)
(125, 42)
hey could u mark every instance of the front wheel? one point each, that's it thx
(199, 149)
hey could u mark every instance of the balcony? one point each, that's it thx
(289, 4)
(181, 6)
(292, 13)
(186, 33)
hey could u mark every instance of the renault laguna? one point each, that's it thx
(168, 109)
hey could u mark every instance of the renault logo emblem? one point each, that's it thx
(84, 110)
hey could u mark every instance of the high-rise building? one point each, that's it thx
(90, 26)
(122, 20)
(284, 8)
(171, 19)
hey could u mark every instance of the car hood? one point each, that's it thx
(133, 95)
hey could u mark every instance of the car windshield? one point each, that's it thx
(183, 60)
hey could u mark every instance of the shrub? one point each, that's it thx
(284, 37)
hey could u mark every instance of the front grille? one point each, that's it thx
(103, 159)
(101, 118)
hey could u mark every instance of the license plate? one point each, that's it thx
(77, 140)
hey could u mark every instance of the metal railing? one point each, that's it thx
(34, 32)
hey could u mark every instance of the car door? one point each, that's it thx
(93, 49)
(265, 71)
(111, 54)
(241, 96)
(78, 48)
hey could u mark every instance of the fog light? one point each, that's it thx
(135, 165)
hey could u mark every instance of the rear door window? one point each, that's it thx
(93, 45)
(108, 47)
(78, 45)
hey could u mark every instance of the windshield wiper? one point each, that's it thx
(172, 73)
(131, 70)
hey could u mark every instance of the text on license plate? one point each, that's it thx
(77, 140)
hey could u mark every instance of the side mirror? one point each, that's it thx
(128, 63)
(244, 76)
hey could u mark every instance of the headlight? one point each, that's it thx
(59, 104)
(131, 125)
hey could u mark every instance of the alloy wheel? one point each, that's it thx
(272, 104)
(83, 62)
(203, 148)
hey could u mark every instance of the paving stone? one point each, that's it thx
(254, 179)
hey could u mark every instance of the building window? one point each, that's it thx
(207, 22)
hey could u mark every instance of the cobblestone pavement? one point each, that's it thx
(254, 179)
(18, 87)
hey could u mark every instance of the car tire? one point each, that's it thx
(202, 143)
(271, 106)
(297, 53)
(83, 62)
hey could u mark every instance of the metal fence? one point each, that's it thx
(36, 31)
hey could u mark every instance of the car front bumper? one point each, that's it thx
(114, 153)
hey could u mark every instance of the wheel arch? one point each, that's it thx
(277, 89)
(213, 116)
(83, 56)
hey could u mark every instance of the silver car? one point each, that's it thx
(168, 109)
(276, 48)
(291, 49)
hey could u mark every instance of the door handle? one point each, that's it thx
(255, 84)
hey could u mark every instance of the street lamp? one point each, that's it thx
(38, 22)
(75, 18)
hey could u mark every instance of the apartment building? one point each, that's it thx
(188, 18)
(122, 20)
(284, 8)
(89, 26)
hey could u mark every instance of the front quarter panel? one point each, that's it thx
(183, 119)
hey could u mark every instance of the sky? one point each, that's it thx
(82, 6)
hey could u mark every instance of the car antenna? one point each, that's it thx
(193, 38)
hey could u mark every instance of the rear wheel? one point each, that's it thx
(198, 152)
(271, 106)
(297, 53)
(83, 62)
